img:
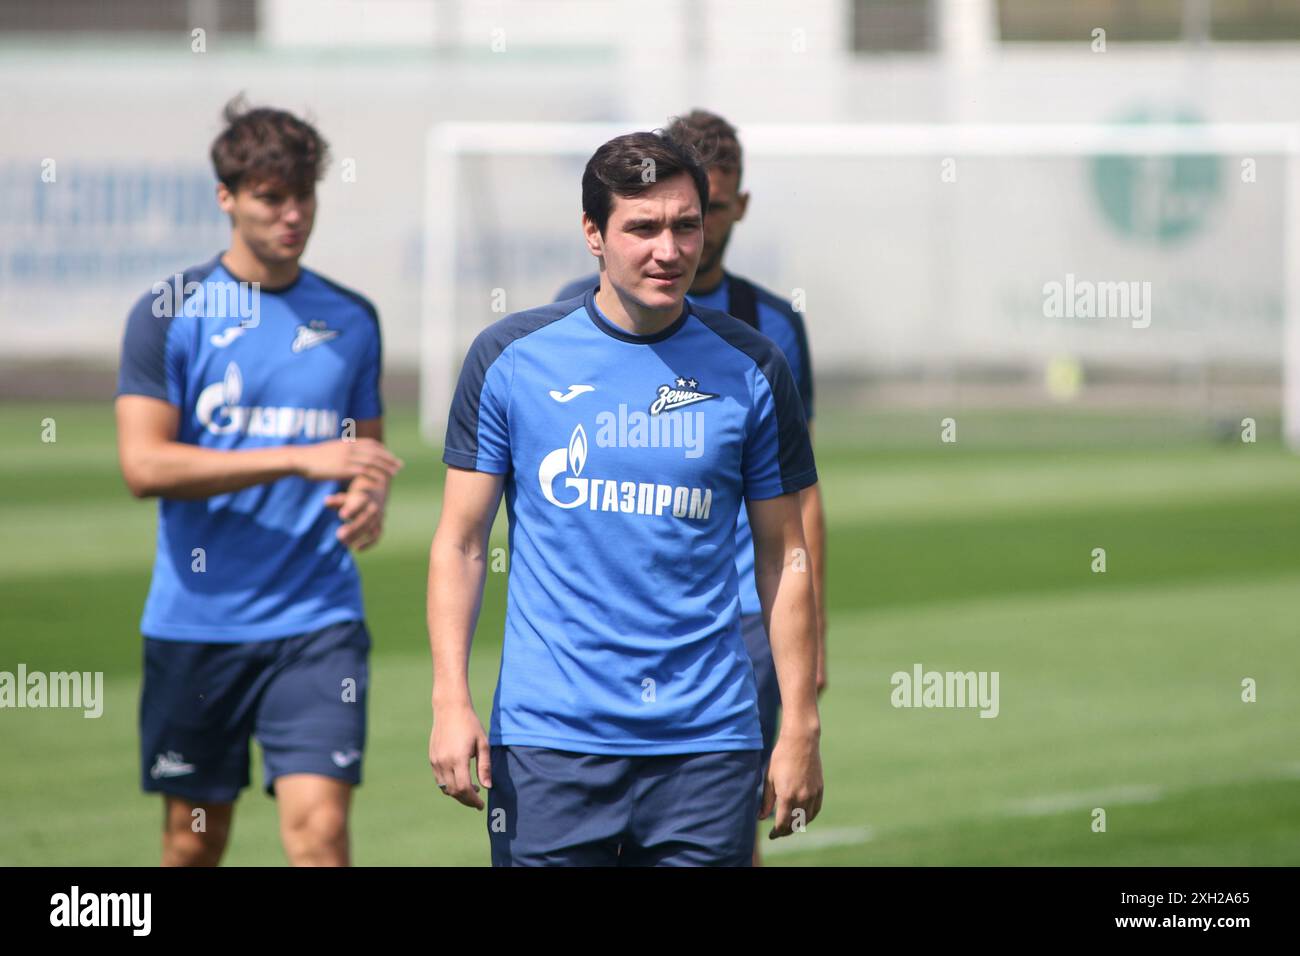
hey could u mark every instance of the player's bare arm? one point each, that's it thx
(794, 780)
(457, 572)
(814, 529)
(155, 464)
(814, 532)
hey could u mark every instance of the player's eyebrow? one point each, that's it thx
(637, 223)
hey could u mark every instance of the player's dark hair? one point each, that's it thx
(712, 137)
(620, 166)
(266, 144)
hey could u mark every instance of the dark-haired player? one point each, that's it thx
(627, 429)
(718, 145)
(248, 403)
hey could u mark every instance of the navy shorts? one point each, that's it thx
(555, 808)
(302, 697)
(769, 692)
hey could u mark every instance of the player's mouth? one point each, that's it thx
(292, 238)
(665, 278)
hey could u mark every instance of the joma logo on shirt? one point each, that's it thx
(218, 410)
(610, 494)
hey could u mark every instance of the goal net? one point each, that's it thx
(1141, 267)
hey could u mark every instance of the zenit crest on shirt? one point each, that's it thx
(776, 319)
(253, 370)
(627, 459)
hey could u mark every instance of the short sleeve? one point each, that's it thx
(777, 457)
(786, 328)
(148, 365)
(478, 429)
(366, 401)
(801, 366)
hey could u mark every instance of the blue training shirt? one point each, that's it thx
(287, 367)
(627, 459)
(778, 320)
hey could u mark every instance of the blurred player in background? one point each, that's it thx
(248, 392)
(627, 428)
(718, 145)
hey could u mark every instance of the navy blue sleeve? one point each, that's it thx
(478, 426)
(478, 423)
(778, 458)
(577, 287)
(803, 367)
(366, 402)
(784, 326)
(152, 364)
(143, 369)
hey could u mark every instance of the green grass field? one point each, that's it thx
(1119, 690)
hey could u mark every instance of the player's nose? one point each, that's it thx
(666, 249)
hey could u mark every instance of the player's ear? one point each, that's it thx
(225, 199)
(742, 203)
(595, 242)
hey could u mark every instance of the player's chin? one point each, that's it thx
(661, 294)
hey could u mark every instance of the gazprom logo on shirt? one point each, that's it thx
(610, 494)
(219, 411)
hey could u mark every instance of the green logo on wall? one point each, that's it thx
(1161, 198)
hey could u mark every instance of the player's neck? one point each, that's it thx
(632, 317)
(243, 265)
(706, 282)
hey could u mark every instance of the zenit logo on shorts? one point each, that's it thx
(622, 622)
(271, 565)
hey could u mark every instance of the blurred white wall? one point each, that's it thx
(128, 129)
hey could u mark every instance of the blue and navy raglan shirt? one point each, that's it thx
(627, 459)
(288, 366)
(775, 318)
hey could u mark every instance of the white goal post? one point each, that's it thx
(442, 342)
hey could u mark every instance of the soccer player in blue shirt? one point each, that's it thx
(248, 403)
(716, 141)
(627, 428)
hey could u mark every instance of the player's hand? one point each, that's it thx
(361, 508)
(344, 459)
(794, 783)
(456, 739)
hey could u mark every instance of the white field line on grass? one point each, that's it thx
(1084, 800)
(1043, 805)
(814, 839)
